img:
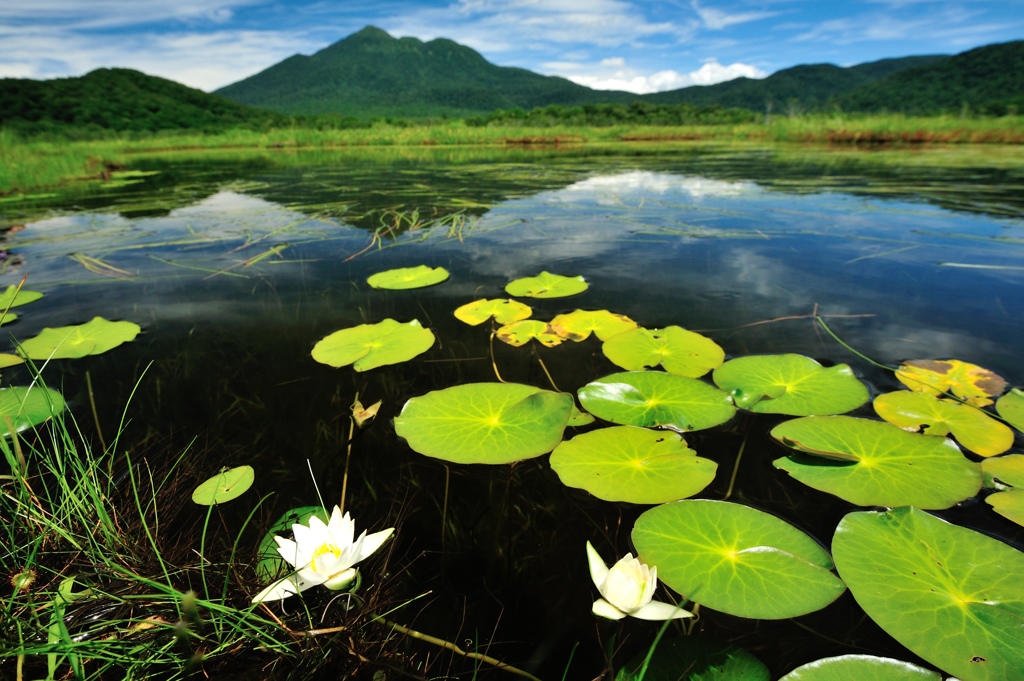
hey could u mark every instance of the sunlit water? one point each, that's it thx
(902, 257)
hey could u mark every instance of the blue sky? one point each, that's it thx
(620, 44)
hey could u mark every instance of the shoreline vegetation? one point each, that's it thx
(39, 162)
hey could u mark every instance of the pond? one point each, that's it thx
(235, 264)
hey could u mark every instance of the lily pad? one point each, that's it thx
(974, 429)
(546, 285)
(408, 277)
(503, 311)
(860, 668)
(9, 360)
(695, 658)
(521, 332)
(580, 418)
(12, 297)
(1009, 504)
(951, 595)
(368, 346)
(71, 342)
(654, 398)
(485, 422)
(7, 317)
(27, 407)
(1011, 407)
(626, 463)
(736, 559)
(1004, 471)
(969, 382)
(790, 384)
(229, 484)
(679, 351)
(873, 463)
(579, 324)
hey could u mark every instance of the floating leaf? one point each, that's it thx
(361, 414)
(969, 382)
(1009, 504)
(485, 422)
(580, 418)
(23, 408)
(12, 297)
(7, 318)
(578, 325)
(790, 384)
(519, 333)
(1004, 471)
(974, 429)
(368, 346)
(1011, 407)
(71, 342)
(408, 277)
(860, 668)
(503, 311)
(626, 463)
(953, 596)
(736, 559)
(873, 463)
(679, 351)
(695, 658)
(270, 565)
(9, 360)
(655, 398)
(546, 285)
(229, 484)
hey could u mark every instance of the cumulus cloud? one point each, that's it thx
(614, 74)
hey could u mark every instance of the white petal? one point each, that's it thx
(318, 533)
(598, 570)
(289, 550)
(373, 542)
(345, 531)
(303, 535)
(334, 524)
(306, 577)
(603, 608)
(656, 610)
(341, 579)
(650, 585)
(282, 588)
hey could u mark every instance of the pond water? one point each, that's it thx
(236, 264)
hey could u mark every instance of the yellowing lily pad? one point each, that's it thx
(790, 384)
(626, 463)
(12, 297)
(654, 398)
(368, 346)
(679, 351)
(969, 382)
(860, 668)
(873, 463)
(485, 422)
(408, 277)
(1009, 504)
(1004, 471)
(578, 325)
(736, 559)
(25, 407)
(546, 285)
(974, 429)
(503, 311)
(1011, 407)
(519, 333)
(951, 595)
(9, 360)
(229, 484)
(71, 342)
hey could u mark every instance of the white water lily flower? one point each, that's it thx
(627, 588)
(322, 554)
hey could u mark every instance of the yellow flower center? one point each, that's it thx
(323, 550)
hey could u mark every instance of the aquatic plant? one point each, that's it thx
(627, 589)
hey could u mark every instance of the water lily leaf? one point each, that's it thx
(974, 429)
(485, 422)
(546, 285)
(1004, 471)
(679, 351)
(790, 384)
(580, 418)
(696, 658)
(12, 297)
(626, 463)
(9, 360)
(951, 595)
(503, 311)
(860, 668)
(408, 277)
(368, 346)
(270, 565)
(1009, 504)
(7, 318)
(654, 398)
(22, 407)
(969, 382)
(1011, 407)
(873, 463)
(736, 559)
(519, 333)
(579, 324)
(71, 342)
(229, 484)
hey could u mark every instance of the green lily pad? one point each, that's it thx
(860, 668)
(271, 566)
(1004, 471)
(695, 658)
(521, 332)
(951, 595)
(736, 559)
(12, 297)
(873, 463)
(546, 285)
(580, 418)
(9, 360)
(7, 317)
(1011, 407)
(26, 407)
(71, 342)
(229, 484)
(579, 324)
(626, 463)
(679, 351)
(974, 429)
(969, 382)
(654, 398)
(485, 422)
(1009, 504)
(368, 346)
(408, 277)
(503, 311)
(790, 384)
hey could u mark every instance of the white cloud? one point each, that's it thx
(614, 74)
(716, 19)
